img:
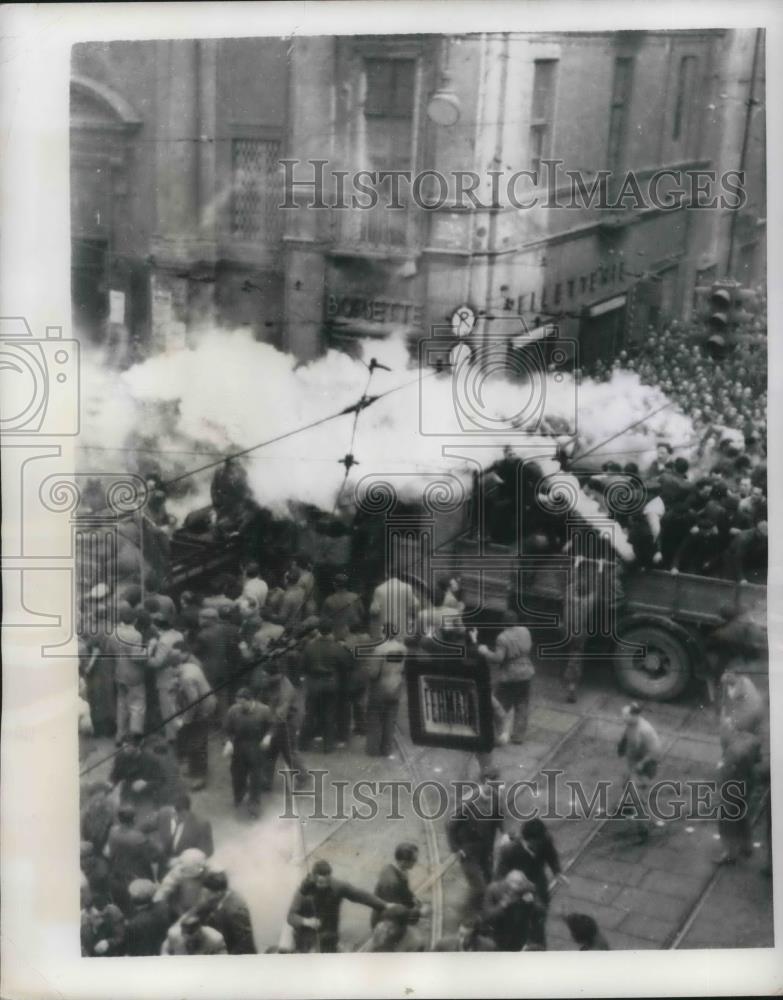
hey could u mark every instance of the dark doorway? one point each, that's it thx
(601, 337)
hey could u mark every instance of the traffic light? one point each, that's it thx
(727, 309)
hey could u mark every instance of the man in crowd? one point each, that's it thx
(254, 587)
(102, 927)
(315, 910)
(148, 922)
(125, 648)
(248, 728)
(512, 915)
(191, 937)
(196, 704)
(136, 769)
(343, 608)
(393, 885)
(163, 661)
(130, 853)
(393, 608)
(223, 909)
(513, 672)
(281, 697)
(324, 663)
(532, 853)
(179, 829)
(384, 669)
(471, 833)
(641, 747)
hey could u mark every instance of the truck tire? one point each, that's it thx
(664, 672)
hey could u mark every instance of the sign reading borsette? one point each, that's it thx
(449, 703)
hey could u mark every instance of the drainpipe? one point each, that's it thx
(746, 135)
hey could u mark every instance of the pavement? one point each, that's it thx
(649, 896)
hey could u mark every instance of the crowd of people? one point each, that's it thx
(706, 514)
(273, 668)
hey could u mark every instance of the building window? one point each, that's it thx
(686, 83)
(257, 189)
(542, 111)
(388, 145)
(618, 111)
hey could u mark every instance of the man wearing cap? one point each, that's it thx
(511, 913)
(315, 910)
(212, 646)
(182, 884)
(514, 671)
(324, 663)
(162, 660)
(148, 922)
(248, 729)
(641, 747)
(223, 909)
(129, 655)
(191, 937)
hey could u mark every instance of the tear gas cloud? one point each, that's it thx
(226, 392)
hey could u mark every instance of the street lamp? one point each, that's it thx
(444, 107)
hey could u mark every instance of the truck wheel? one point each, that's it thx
(661, 671)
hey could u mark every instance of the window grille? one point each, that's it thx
(257, 189)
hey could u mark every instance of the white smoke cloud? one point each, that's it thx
(226, 392)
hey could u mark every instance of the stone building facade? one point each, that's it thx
(184, 151)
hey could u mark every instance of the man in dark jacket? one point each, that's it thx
(102, 928)
(130, 853)
(148, 922)
(325, 662)
(512, 915)
(532, 853)
(248, 727)
(315, 910)
(179, 828)
(281, 697)
(471, 832)
(226, 911)
(393, 885)
(135, 764)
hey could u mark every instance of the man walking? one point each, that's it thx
(248, 727)
(162, 660)
(641, 747)
(471, 833)
(512, 914)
